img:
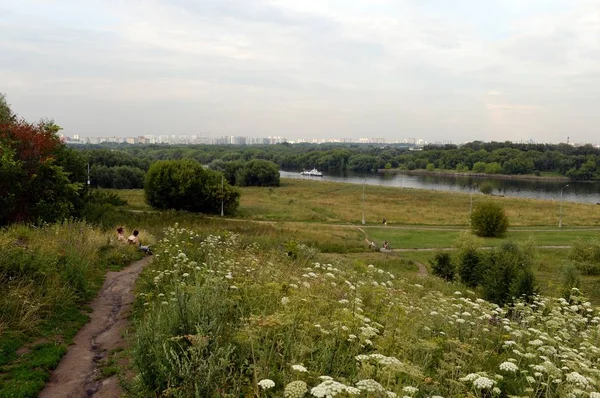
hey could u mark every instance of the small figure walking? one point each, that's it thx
(386, 245)
(384, 222)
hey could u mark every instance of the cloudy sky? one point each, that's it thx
(433, 69)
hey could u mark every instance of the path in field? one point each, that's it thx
(77, 374)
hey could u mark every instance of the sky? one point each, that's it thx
(439, 70)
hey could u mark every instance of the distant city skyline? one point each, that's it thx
(456, 71)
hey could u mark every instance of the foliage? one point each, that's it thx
(256, 172)
(488, 220)
(35, 185)
(486, 188)
(493, 168)
(470, 267)
(186, 185)
(430, 167)
(507, 274)
(6, 114)
(443, 267)
(580, 162)
(462, 168)
(570, 279)
(216, 317)
(586, 256)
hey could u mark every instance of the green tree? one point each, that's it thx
(443, 267)
(489, 220)
(258, 172)
(35, 187)
(508, 274)
(493, 168)
(479, 167)
(6, 114)
(430, 167)
(186, 185)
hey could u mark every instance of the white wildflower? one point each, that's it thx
(266, 384)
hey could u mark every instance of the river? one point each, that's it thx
(581, 192)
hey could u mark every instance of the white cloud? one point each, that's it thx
(307, 68)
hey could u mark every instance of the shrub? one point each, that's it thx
(442, 266)
(508, 275)
(258, 172)
(493, 168)
(479, 167)
(570, 278)
(469, 268)
(430, 167)
(186, 185)
(462, 168)
(486, 188)
(488, 220)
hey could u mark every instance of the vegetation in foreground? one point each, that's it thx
(216, 317)
(47, 275)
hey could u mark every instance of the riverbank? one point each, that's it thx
(474, 175)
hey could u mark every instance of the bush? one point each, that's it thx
(430, 167)
(570, 278)
(186, 185)
(479, 167)
(442, 266)
(462, 168)
(258, 172)
(493, 168)
(469, 267)
(488, 220)
(508, 275)
(486, 188)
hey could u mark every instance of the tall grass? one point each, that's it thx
(331, 202)
(218, 317)
(47, 274)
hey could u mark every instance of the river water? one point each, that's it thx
(582, 192)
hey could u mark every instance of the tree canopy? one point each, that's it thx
(186, 185)
(39, 177)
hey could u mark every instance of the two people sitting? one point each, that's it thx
(132, 240)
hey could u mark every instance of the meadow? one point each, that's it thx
(286, 299)
(219, 317)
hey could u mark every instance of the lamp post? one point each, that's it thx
(560, 207)
(471, 208)
(222, 194)
(363, 203)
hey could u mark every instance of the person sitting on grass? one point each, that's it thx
(120, 235)
(134, 240)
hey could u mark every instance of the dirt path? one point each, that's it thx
(77, 374)
(422, 269)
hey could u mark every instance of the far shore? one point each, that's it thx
(475, 175)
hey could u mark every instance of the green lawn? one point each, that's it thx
(409, 239)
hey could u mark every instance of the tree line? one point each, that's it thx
(123, 166)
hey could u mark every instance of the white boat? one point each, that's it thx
(312, 173)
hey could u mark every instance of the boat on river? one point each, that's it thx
(312, 173)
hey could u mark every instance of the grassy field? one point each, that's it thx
(320, 201)
(329, 202)
(327, 215)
